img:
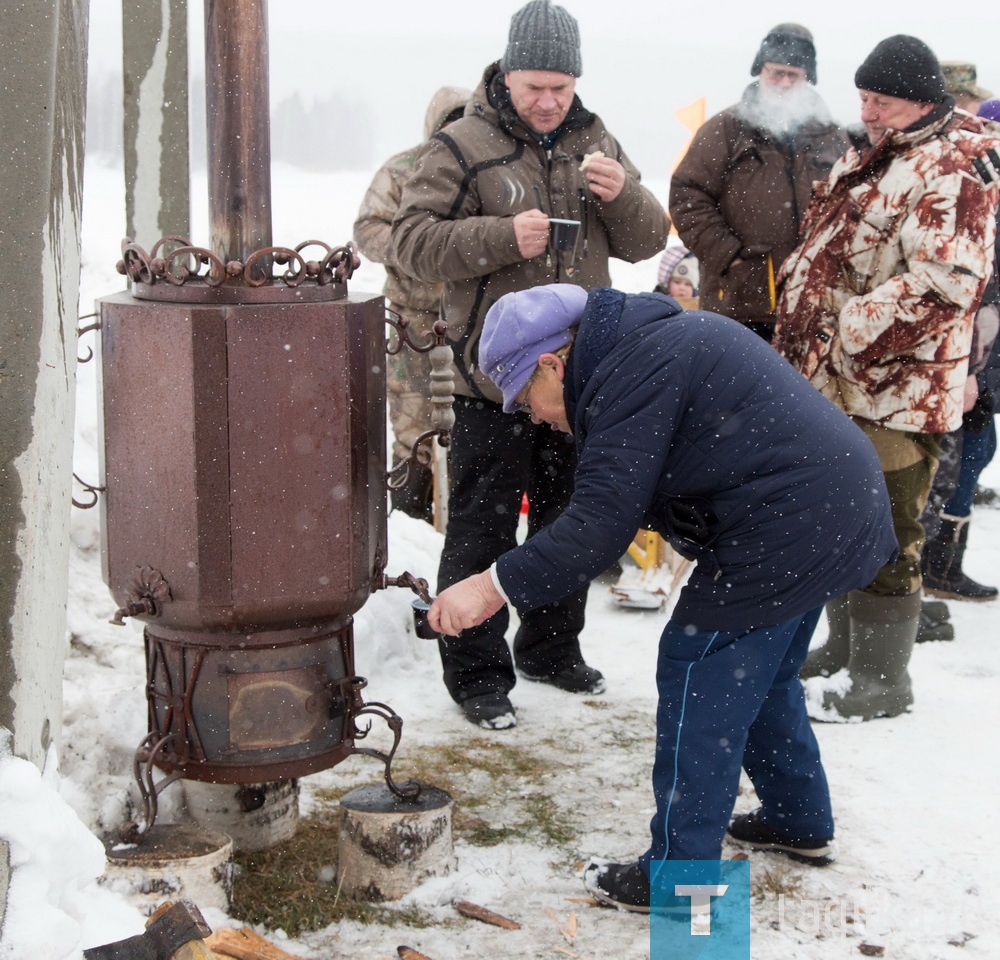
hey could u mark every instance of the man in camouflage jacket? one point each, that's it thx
(475, 216)
(408, 373)
(876, 310)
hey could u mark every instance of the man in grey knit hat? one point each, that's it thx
(475, 216)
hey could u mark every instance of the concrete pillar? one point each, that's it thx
(43, 57)
(155, 70)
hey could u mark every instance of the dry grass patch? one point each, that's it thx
(293, 887)
(502, 792)
(775, 881)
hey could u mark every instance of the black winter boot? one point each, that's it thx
(986, 497)
(416, 496)
(941, 564)
(934, 625)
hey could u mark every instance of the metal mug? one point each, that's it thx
(421, 626)
(563, 234)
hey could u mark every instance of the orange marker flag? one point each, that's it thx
(692, 116)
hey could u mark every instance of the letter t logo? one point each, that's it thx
(701, 901)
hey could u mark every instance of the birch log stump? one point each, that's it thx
(387, 846)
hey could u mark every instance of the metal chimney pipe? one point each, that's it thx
(239, 133)
(246, 526)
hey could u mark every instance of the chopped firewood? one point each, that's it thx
(589, 901)
(569, 953)
(408, 953)
(740, 856)
(245, 944)
(568, 931)
(477, 912)
(871, 950)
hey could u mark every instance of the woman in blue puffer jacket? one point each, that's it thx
(688, 424)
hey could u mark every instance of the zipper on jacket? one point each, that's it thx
(546, 157)
(790, 174)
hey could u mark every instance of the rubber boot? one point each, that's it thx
(941, 564)
(832, 656)
(883, 631)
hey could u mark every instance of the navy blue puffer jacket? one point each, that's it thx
(688, 424)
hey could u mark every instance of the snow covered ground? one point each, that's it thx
(915, 797)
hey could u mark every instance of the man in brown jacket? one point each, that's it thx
(739, 195)
(475, 216)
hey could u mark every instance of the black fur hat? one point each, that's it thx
(789, 44)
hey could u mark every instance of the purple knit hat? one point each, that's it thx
(990, 110)
(520, 327)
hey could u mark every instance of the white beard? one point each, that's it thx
(782, 113)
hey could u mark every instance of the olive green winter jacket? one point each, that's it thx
(456, 217)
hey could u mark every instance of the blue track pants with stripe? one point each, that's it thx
(726, 700)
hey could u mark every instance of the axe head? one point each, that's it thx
(166, 933)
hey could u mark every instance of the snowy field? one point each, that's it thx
(915, 797)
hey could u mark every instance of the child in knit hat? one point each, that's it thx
(678, 275)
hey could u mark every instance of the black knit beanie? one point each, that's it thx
(543, 36)
(789, 44)
(903, 67)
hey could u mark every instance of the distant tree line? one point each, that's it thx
(333, 133)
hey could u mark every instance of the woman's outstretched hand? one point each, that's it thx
(466, 604)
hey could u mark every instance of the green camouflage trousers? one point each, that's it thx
(909, 462)
(408, 378)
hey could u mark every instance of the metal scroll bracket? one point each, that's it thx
(149, 789)
(80, 331)
(442, 393)
(408, 791)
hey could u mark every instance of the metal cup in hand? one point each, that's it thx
(563, 234)
(421, 625)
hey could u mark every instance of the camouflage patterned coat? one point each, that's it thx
(373, 227)
(878, 300)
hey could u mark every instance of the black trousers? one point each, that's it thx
(496, 458)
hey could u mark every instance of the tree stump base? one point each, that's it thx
(387, 846)
(173, 862)
(256, 816)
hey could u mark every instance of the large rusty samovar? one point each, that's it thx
(243, 458)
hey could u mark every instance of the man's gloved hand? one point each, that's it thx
(466, 604)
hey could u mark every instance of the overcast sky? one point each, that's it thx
(642, 59)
